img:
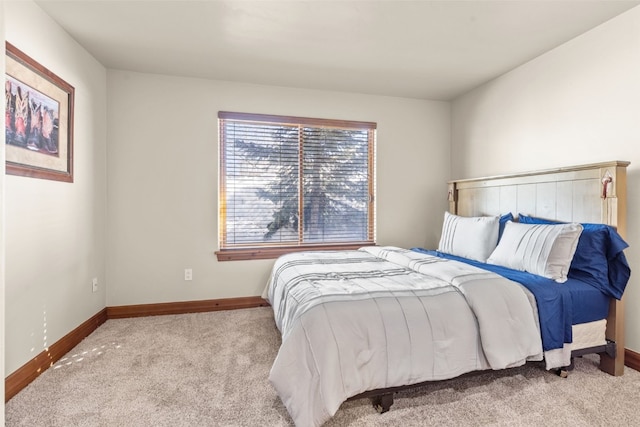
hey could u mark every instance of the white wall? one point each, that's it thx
(2, 225)
(579, 103)
(163, 178)
(55, 231)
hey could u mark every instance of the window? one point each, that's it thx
(292, 183)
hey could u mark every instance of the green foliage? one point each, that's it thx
(335, 180)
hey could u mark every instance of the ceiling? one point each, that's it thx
(417, 49)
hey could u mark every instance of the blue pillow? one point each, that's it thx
(503, 221)
(599, 259)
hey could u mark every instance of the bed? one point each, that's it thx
(373, 321)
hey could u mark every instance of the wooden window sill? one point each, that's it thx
(239, 254)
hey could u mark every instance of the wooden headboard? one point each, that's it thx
(588, 193)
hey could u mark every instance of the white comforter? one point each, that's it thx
(379, 317)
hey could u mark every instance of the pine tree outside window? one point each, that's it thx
(291, 183)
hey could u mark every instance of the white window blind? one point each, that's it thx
(291, 181)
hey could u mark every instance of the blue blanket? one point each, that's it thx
(553, 299)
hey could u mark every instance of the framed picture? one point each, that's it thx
(38, 120)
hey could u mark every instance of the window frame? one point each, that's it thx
(270, 251)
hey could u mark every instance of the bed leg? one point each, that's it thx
(564, 371)
(383, 402)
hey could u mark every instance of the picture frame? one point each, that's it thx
(38, 119)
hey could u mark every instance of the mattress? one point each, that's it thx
(590, 334)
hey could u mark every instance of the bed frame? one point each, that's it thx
(588, 193)
(593, 193)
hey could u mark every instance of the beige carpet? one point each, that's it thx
(211, 369)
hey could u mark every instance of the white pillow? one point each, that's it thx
(469, 237)
(542, 249)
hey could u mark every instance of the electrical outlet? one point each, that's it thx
(94, 284)
(188, 274)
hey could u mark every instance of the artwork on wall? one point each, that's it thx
(38, 120)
